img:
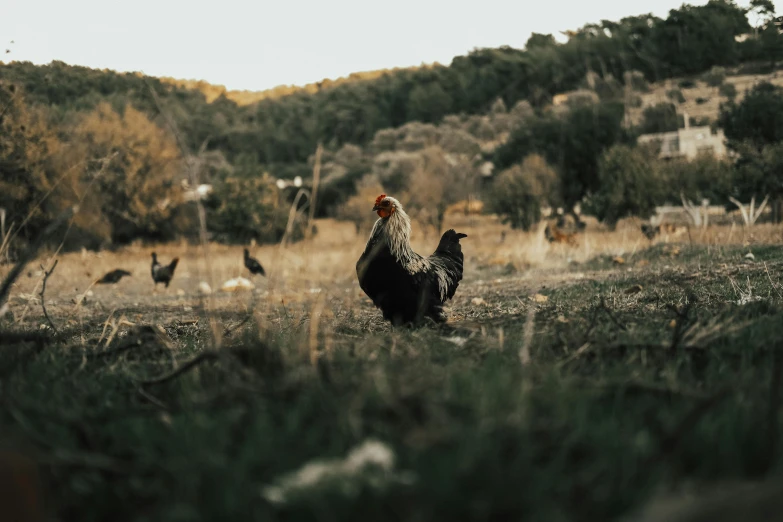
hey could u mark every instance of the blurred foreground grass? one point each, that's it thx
(576, 394)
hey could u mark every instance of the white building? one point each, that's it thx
(688, 142)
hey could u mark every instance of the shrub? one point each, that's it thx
(715, 76)
(518, 192)
(245, 208)
(687, 84)
(728, 90)
(637, 81)
(629, 185)
(357, 208)
(662, 117)
(676, 96)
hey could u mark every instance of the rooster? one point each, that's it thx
(163, 274)
(555, 235)
(406, 286)
(112, 277)
(253, 265)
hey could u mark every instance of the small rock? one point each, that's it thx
(539, 298)
(635, 289)
(478, 301)
(750, 256)
(617, 260)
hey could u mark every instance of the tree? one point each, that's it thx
(694, 38)
(244, 207)
(629, 185)
(728, 90)
(715, 76)
(357, 209)
(761, 10)
(771, 45)
(756, 119)
(571, 142)
(32, 191)
(755, 131)
(428, 103)
(139, 189)
(537, 41)
(517, 193)
(704, 177)
(440, 179)
(662, 117)
(759, 174)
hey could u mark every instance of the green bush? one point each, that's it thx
(629, 185)
(728, 90)
(244, 208)
(637, 81)
(518, 192)
(687, 84)
(676, 95)
(715, 76)
(662, 117)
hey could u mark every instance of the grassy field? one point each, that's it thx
(613, 380)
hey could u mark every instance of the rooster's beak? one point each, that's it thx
(376, 208)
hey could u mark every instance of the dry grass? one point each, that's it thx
(590, 395)
(325, 265)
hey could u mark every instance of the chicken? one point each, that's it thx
(555, 235)
(665, 229)
(406, 286)
(163, 274)
(253, 265)
(112, 277)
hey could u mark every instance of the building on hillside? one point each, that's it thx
(688, 142)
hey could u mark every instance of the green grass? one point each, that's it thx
(615, 404)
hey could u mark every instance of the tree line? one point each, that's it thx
(73, 133)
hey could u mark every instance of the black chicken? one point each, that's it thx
(112, 277)
(404, 285)
(650, 231)
(253, 265)
(163, 274)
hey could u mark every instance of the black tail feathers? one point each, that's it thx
(449, 242)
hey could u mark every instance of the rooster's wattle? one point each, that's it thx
(406, 286)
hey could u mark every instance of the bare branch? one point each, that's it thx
(314, 191)
(208, 355)
(760, 209)
(47, 273)
(32, 251)
(741, 207)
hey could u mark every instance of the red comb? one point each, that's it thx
(379, 199)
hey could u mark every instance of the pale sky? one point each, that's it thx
(257, 45)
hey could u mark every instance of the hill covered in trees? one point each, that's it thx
(377, 127)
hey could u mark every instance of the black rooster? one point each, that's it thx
(404, 285)
(253, 265)
(163, 274)
(112, 277)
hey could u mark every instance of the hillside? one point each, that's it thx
(381, 128)
(701, 100)
(247, 97)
